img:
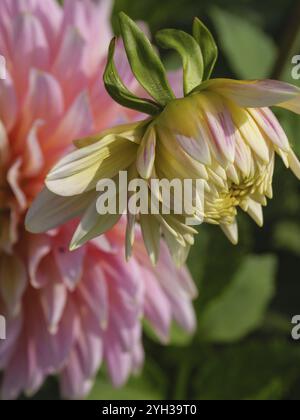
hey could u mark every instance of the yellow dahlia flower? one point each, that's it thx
(221, 132)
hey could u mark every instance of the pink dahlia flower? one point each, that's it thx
(68, 312)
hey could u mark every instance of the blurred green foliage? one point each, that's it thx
(249, 293)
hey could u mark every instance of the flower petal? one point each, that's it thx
(39, 247)
(151, 234)
(231, 231)
(81, 170)
(8, 102)
(269, 124)
(50, 210)
(53, 299)
(256, 93)
(255, 212)
(77, 122)
(92, 225)
(146, 154)
(250, 132)
(29, 47)
(70, 264)
(218, 121)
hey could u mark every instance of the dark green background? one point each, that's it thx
(249, 293)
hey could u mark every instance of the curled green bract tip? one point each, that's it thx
(198, 53)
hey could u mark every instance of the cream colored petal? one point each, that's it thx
(50, 210)
(179, 251)
(92, 225)
(231, 232)
(269, 124)
(250, 132)
(233, 174)
(81, 170)
(256, 93)
(151, 235)
(178, 165)
(130, 235)
(132, 132)
(146, 154)
(255, 212)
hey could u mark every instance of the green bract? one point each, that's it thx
(198, 52)
(208, 47)
(119, 92)
(190, 53)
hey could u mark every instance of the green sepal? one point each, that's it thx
(190, 52)
(144, 61)
(119, 92)
(208, 47)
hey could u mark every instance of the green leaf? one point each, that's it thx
(178, 337)
(119, 92)
(208, 47)
(190, 53)
(251, 53)
(241, 307)
(255, 370)
(144, 61)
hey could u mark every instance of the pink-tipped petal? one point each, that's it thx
(70, 264)
(53, 299)
(257, 93)
(8, 102)
(29, 47)
(270, 126)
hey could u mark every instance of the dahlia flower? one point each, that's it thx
(221, 132)
(67, 313)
